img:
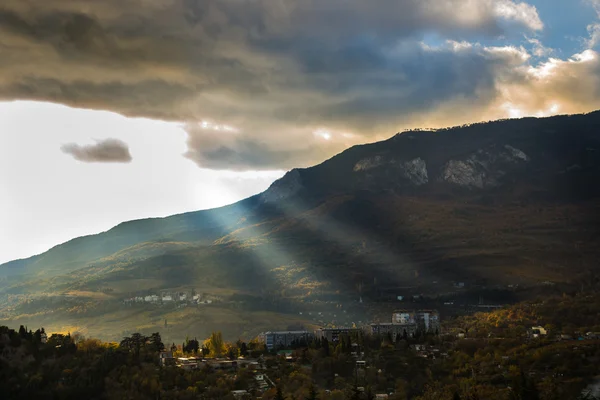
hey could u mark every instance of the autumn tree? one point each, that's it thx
(215, 344)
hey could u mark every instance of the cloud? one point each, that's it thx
(104, 151)
(230, 150)
(280, 70)
(538, 49)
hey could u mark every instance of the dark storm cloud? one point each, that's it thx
(277, 70)
(103, 151)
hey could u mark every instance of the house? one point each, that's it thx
(381, 396)
(592, 335)
(187, 363)
(222, 364)
(43, 336)
(537, 331)
(260, 381)
(167, 298)
(182, 297)
(240, 394)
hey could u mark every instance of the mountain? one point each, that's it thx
(492, 204)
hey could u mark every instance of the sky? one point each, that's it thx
(112, 110)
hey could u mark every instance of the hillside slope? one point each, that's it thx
(496, 204)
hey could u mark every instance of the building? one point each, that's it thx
(408, 322)
(428, 320)
(403, 317)
(241, 394)
(167, 298)
(333, 334)
(166, 358)
(261, 382)
(537, 331)
(284, 338)
(188, 363)
(394, 330)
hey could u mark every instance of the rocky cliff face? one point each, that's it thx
(484, 168)
(413, 171)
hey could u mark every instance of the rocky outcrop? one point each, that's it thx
(283, 188)
(415, 171)
(484, 168)
(514, 154)
(464, 173)
(368, 163)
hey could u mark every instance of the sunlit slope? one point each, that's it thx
(487, 201)
(196, 227)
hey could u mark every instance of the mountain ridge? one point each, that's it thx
(407, 162)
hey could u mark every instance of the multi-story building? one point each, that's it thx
(403, 317)
(333, 334)
(408, 321)
(394, 330)
(428, 320)
(284, 338)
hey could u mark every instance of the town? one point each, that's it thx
(524, 351)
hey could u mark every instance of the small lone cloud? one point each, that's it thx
(107, 151)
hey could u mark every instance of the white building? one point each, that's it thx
(167, 298)
(403, 317)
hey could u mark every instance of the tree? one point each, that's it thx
(192, 346)
(156, 344)
(215, 344)
(244, 349)
(355, 393)
(312, 393)
(279, 394)
(369, 395)
(325, 346)
(524, 388)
